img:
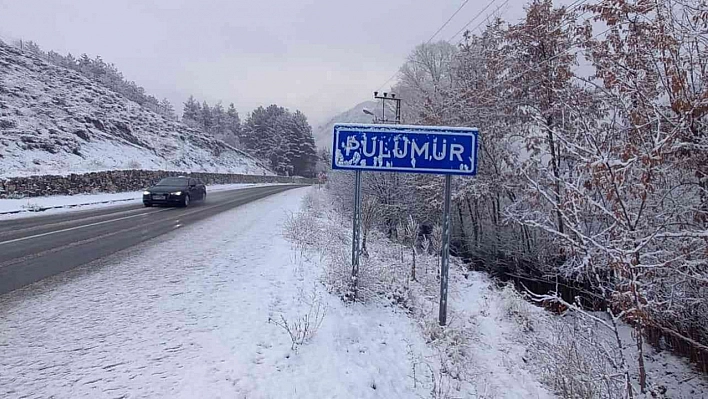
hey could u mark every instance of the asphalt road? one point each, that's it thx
(38, 247)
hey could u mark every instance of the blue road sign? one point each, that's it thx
(402, 148)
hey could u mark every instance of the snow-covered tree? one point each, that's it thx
(206, 117)
(218, 120)
(167, 109)
(626, 190)
(426, 75)
(258, 134)
(233, 125)
(192, 112)
(598, 178)
(281, 137)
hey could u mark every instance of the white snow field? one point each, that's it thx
(187, 316)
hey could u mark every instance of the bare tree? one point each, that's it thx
(370, 212)
(409, 232)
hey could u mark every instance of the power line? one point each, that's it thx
(575, 5)
(447, 22)
(572, 7)
(431, 38)
(524, 72)
(481, 22)
(473, 19)
(388, 80)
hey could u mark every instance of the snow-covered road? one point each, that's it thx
(187, 315)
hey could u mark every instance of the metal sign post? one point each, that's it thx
(412, 149)
(445, 261)
(356, 232)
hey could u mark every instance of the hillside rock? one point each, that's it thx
(55, 120)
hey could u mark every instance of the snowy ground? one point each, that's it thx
(195, 313)
(479, 354)
(23, 207)
(168, 319)
(496, 343)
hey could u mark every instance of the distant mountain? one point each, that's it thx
(54, 120)
(323, 133)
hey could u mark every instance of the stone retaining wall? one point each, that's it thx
(118, 181)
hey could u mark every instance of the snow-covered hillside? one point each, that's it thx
(323, 133)
(54, 120)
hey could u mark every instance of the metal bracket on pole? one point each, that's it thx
(445, 263)
(356, 232)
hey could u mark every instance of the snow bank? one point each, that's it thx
(476, 355)
(496, 343)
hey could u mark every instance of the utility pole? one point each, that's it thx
(389, 97)
(445, 255)
(356, 225)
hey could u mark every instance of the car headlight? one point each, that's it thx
(176, 193)
(146, 193)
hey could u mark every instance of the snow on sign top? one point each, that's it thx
(405, 148)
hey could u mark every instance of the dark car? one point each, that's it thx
(180, 191)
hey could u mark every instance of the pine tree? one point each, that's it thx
(33, 48)
(192, 112)
(256, 134)
(282, 138)
(84, 65)
(262, 136)
(98, 68)
(167, 109)
(233, 122)
(288, 149)
(70, 62)
(305, 159)
(218, 121)
(206, 117)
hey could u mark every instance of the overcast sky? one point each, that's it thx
(319, 56)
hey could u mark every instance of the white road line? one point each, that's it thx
(78, 243)
(141, 210)
(79, 227)
(248, 198)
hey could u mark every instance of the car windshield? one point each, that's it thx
(173, 181)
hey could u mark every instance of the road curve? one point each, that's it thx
(38, 247)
